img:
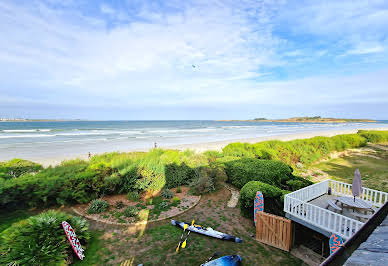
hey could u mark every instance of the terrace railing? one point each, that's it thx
(374, 197)
(321, 218)
(296, 204)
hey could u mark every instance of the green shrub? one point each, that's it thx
(98, 206)
(244, 170)
(130, 211)
(297, 183)
(167, 194)
(178, 190)
(133, 196)
(41, 240)
(374, 136)
(17, 167)
(202, 183)
(272, 198)
(178, 175)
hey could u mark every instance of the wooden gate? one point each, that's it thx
(273, 230)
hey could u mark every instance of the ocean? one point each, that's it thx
(66, 139)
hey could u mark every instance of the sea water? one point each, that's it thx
(68, 139)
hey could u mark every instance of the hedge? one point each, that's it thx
(41, 240)
(272, 198)
(17, 167)
(242, 171)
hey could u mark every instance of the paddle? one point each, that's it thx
(184, 242)
(184, 228)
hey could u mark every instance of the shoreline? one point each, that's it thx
(213, 145)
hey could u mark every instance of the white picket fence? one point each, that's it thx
(296, 204)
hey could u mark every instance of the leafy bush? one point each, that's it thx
(167, 194)
(41, 240)
(17, 167)
(130, 211)
(297, 183)
(133, 196)
(202, 183)
(178, 175)
(178, 190)
(374, 136)
(244, 170)
(272, 198)
(98, 206)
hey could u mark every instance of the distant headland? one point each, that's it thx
(307, 119)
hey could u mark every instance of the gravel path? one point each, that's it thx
(234, 197)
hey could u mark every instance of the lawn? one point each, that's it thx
(372, 162)
(156, 244)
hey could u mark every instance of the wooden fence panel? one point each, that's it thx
(273, 230)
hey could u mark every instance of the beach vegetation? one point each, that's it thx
(40, 240)
(78, 181)
(374, 136)
(17, 167)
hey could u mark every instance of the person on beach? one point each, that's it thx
(155, 144)
(89, 155)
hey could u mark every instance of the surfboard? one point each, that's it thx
(335, 242)
(73, 239)
(231, 260)
(258, 205)
(207, 231)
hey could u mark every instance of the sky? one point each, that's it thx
(204, 59)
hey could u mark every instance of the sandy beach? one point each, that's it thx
(214, 145)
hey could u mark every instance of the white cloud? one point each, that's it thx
(145, 58)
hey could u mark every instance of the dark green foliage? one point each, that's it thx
(98, 206)
(374, 136)
(203, 181)
(297, 183)
(244, 170)
(178, 175)
(133, 196)
(167, 194)
(17, 167)
(272, 198)
(41, 240)
(178, 190)
(130, 211)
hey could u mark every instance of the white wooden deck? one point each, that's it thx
(308, 206)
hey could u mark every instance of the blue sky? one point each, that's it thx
(134, 59)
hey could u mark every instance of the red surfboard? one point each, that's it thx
(73, 239)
